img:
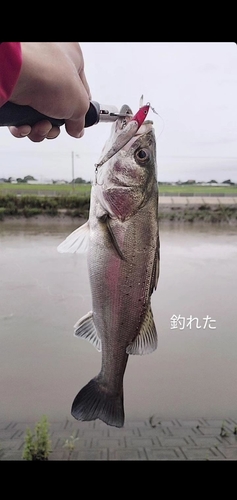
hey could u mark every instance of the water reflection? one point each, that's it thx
(43, 293)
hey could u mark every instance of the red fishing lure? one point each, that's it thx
(141, 115)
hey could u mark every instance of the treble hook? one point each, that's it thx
(97, 165)
(96, 172)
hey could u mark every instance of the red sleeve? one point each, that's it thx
(10, 65)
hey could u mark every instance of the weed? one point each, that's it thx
(2, 212)
(37, 443)
(70, 445)
(223, 432)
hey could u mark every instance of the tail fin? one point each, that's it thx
(94, 402)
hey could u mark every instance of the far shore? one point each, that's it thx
(172, 213)
(65, 210)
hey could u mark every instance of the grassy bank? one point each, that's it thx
(13, 206)
(215, 214)
(84, 189)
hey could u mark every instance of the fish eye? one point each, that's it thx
(142, 155)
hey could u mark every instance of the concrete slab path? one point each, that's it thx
(154, 439)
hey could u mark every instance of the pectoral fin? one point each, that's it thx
(156, 268)
(146, 340)
(106, 220)
(77, 241)
(85, 329)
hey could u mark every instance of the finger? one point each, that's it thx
(19, 132)
(42, 130)
(53, 133)
(75, 128)
(75, 123)
(38, 135)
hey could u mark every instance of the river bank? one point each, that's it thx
(200, 212)
(63, 210)
(188, 215)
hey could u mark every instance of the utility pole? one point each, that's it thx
(73, 184)
(73, 171)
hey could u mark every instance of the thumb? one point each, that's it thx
(75, 123)
(75, 128)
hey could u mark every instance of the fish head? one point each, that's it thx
(127, 179)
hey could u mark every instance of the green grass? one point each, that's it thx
(84, 189)
(45, 189)
(197, 189)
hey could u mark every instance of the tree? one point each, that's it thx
(228, 181)
(29, 178)
(79, 180)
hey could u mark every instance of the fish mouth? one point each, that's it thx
(123, 121)
(145, 128)
(126, 109)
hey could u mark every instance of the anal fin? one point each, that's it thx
(146, 341)
(85, 329)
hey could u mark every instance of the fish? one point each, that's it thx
(124, 135)
(121, 238)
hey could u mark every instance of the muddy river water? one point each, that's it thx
(193, 372)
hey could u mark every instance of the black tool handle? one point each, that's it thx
(14, 114)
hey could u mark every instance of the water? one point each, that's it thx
(192, 374)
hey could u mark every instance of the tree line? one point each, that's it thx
(27, 178)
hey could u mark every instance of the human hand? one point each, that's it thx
(52, 81)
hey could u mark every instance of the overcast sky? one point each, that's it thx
(193, 87)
